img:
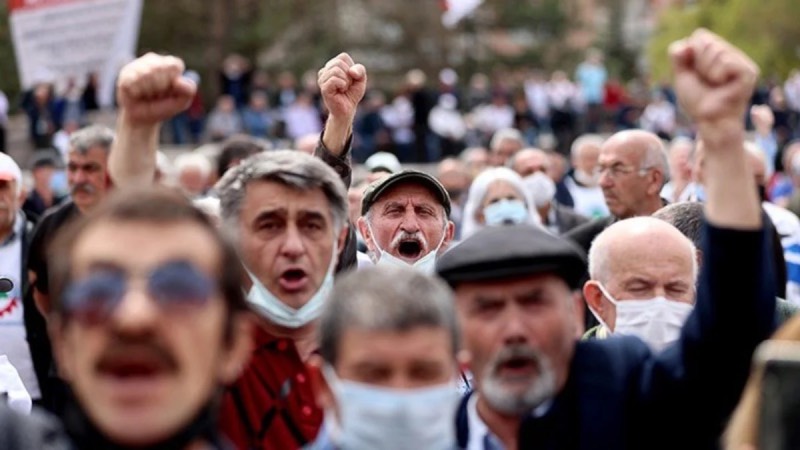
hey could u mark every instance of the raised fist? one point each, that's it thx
(151, 89)
(342, 83)
(713, 79)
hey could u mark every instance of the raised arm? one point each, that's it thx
(342, 83)
(696, 383)
(714, 82)
(150, 90)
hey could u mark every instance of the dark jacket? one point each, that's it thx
(566, 218)
(343, 167)
(37, 431)
(35, 325)
(619, 395)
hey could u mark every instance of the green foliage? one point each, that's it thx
(9, 81)
(765, 30)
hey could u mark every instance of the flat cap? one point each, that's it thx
(501, 252)
(377, 188)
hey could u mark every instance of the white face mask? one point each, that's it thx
(586, 179)
(426, 264)
(542, 187)
(281, 314)
(657, 321)
(372, 417)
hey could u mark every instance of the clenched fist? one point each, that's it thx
(151, 89)
(342, 83)
(713, 79)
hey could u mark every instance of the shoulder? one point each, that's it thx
(614, 358)
(584, 234)
(56, 216)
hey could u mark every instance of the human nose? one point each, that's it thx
(606, 179)
(137, 312)
(514, 328)
(410, 222)
(293, 244)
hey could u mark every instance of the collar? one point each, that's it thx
(478, 431)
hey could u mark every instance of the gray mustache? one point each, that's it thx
(83, 187)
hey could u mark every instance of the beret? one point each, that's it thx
(511, 251)
(378, 187)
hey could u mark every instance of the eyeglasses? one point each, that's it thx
(174, 286)
(618, 170)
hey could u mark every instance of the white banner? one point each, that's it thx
(456, 10)
(57, 40)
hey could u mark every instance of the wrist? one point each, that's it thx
(140, 128)
(721, 134)
(336, 133)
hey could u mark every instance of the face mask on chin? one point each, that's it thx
(657, 321)
(426, 264)
(585, 178)
(373, 417)
(269, 305)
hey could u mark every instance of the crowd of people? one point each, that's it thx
(611, 296)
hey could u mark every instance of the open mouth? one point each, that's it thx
(518, 366)
(133, 367)
(293, 279)
(410, 248)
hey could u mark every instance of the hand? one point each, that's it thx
(763, 119)
(342, 83)
(713, 80)
(151, 89)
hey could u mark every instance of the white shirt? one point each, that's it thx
(13, 337)
(477, 428)
(589, 201)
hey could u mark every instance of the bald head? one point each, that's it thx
(641, 247)
(633, 167)
(529, 161)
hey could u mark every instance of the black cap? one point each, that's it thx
(378, 187)
(512, 251)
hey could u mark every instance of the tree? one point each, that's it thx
(765, 30)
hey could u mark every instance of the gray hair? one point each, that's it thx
(90, 137)
(687, 217)
(584, 140)
(385, 298)
(655, 157)
(506, 134)
(293, 169)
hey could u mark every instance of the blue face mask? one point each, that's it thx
(281, 314)
(506, 212)
(372, 417)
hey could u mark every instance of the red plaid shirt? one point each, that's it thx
(271, 406)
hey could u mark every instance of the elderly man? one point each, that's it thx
(532, 164)
(632, 167)
(518, 307)
(405, 220)
(139, 286)
(287, 212)
(504, 144)
(23, 333)
(643, 273)
(88, 183)
(583, 182)
(680, 168)
(387, 377)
